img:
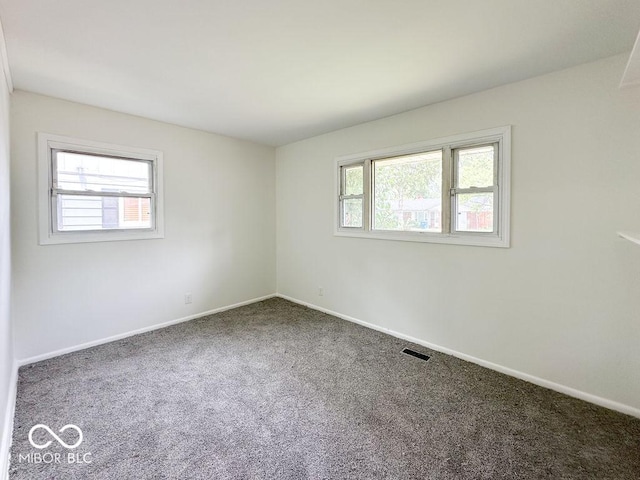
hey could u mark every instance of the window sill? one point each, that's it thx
(98, 236)
(447, 239)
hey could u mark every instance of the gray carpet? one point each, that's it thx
(274, 390)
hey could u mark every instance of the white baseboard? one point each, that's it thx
(603, 402)
(9, 413)
(572, 392)
(75, 348)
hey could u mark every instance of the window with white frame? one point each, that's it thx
(448, 190)
(91, 191)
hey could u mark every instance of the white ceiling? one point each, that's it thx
(277, 71)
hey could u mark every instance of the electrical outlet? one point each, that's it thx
(188, 298)
(320, 291)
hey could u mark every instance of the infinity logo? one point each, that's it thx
(58, 439)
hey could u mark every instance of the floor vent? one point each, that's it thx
(421, 356)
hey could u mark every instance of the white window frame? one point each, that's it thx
(342, 196)
(500, 237)
(47, 232)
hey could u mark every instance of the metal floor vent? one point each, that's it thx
(413, 353)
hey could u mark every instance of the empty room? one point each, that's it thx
(320, 240)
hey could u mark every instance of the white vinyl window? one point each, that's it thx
(475, 187)
(90, 191)
(352, 196)
(448, 190)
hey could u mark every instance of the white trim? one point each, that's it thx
(4, 59)
(46, 236)
(631, 76)
(5, 439)
(631, 236)
(572, 392)
(426, 237)
(75, 348)
(499, 135)
(417, 147)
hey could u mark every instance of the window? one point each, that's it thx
(352, 196)
(449, 190)
(407, 190)
(475, 188)
(91, 191)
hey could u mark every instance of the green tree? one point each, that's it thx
(475, 167)
(354, 180)
(399, 180)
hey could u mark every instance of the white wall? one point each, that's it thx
(219, 240)
(563, 304)
(6, 339)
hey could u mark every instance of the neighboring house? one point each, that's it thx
(99, 212)
(474, 214)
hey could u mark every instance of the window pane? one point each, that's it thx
(353, 180)
(136, 210)
(352, 212)
(408, 192)
(77, 213)
(475, 167)
(93, 173)
(474, 212)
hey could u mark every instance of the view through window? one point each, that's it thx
(97, 192)
(408, 192)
